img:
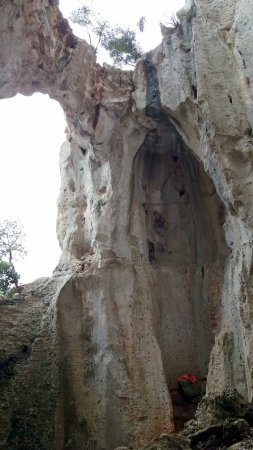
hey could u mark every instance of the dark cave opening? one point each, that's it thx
(186, 249)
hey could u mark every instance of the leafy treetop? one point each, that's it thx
(119, 42)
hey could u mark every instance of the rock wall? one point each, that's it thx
(155, 225)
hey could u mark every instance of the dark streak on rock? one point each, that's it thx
(95, 120)
(153, 100)
(151, 251)
(194, 91)
(83, 150)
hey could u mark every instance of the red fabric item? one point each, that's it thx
(189, 377)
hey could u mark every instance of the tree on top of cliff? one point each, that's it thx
(120, 43)
(11, 240)
(122, 46)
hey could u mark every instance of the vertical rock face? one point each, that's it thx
(155, 225)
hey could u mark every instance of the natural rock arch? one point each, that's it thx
(117, 125)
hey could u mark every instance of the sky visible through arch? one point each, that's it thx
(32, 131)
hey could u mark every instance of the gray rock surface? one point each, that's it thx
(155, 226)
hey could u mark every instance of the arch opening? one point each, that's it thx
(31, 136)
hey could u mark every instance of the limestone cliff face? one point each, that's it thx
(155, 225)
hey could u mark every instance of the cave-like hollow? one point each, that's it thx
(180, 228)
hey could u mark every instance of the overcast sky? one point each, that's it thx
(32, 131)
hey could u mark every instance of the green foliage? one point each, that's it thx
(100, 29)
(122, 46)
(8, 277)
(120, 43)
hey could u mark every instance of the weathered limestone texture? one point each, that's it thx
(155, 225)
